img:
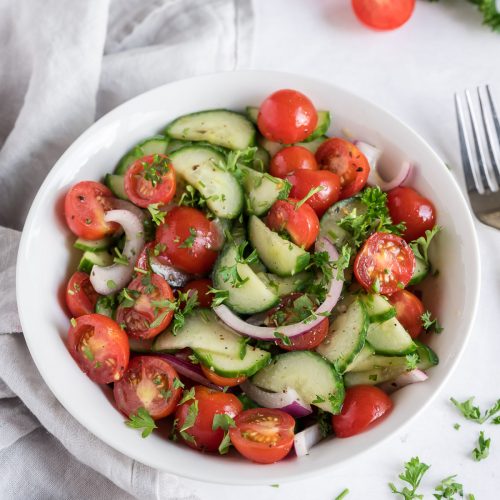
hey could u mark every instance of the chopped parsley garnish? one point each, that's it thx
(318, 400)
(311, 192)
(127, 297)
(184, 305)
(284, 338)
(147, 284)
(448, 488)
(224, 422)
(111, 284)
(483, 448)
(159, 319)
(219, 296)
(285, 190)
(456, 426)
(189, 241)
(177, 384)
(324, 420)
(473, 413)
(429, 324)
(192, 198)
(154, 171)
(142, 420)
(411, 361)
(343, 262)
(73, 322)
(87, 352)
(157, 215)
(186, 396)
(230, 273)
(189, 422)
(413, 473)
(225, 444)
(159, 248)
(420, 246)
(343, 494)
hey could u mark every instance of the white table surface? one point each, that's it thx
(413, 73)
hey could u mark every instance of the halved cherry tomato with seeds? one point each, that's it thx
(99, 346)
(409, 310)
(85, 205)
(263, 435)
(344, 159)
(80, 295)
(201, 287)
(222, 381)
(290, 159)
(146, 310)
(148, 383)
(384, 264)
(142, 261)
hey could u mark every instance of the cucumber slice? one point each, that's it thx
(215, 344)
(261, 160)
(151, 146)
(361, 357)
(102, 258)
(175, 144)
(218, 126)
(253, 295)
(372, 377)
(270, 146)
(273, 147)
(117, 185)
(427, 357)
(283, 285)
(313, 145)
(390, 338)
(282, 257)
(312, 376)
(329, 227)
(378, 308)
(140, 345)
(262, 190)
(252, 113)
(420, 272)
(198, 166)
(93, 245)
(346, 336)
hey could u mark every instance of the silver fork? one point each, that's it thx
(482, 177)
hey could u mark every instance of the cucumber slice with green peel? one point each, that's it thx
(273, 147)
(329, 227)
(140, 345)
(151, 146)
(390, 338)
(346, 336)
(312, 376)
(284, 285)
(261, 190)
(252, 113)
(252, 296)
(324, 120)
(175, 144)
(218, 126)
(261, 160)
(117, 185)
(427, 357)
(93, 245)
(379, 309)
(270, 146)
(104, 306)
(280, 256)
(421, 271)
(198, 166)
(313, 144)
(372, 377)
(361, 357)
(101, 258)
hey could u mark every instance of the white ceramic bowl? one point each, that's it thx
(46, 260)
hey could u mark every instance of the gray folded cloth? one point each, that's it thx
(63, 65)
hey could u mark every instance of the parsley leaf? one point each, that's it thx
(219, 296)
(284, 338)
(186, 396)
(448, 487)
(413, 473)
(154, 171)
(429, 324)
(411, 361)
(311, 193)
(324, 420)
(491, 16)
(192, 198)
(185, 305)
(230, 273)
(483, 449)
(120, 258)
(222, 421)
(177, 384)
(225, 444)
(473, 413)
(142, 420)
(343, 262)
(189, 241)
(157, 215)
(342, 495)
(420, 246)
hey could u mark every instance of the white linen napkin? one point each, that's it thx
(63, 64)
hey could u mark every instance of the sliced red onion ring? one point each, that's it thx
(110, 279)
(118, 204)
(173, 276)
(403, 380)
(306, 439)
(258, 319)
(267, 332)
(288, 401)
(372, 154)
(190, 370)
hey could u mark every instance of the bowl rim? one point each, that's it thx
(299, 474)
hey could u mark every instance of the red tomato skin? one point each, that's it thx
(202, 287)
(136, 379)
(409, 310)
(301, 224)
(290, 159)
(141, 191)
(369, 261)
(210, 402)
(287, 116)
(261, 449)
(222, 381)
(344, 159)
(142, 261)
(303, 181)
(383, 15)
(85, 205)
(363, 406)
(80, 295)
(408, 206)
(106, 341)
(200, 257)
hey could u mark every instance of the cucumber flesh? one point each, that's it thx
(261, 160)
(219, 126)
(153, 145)
(372, 377)
(273, 147)
(420, 272)
(283, 285)
(101, 258)
(379, 309)
(252, 113)
(390, 338)
(116, 184)
(312, 376)
(198, 166)
(361, 357)
(93, 245)
(280, 256)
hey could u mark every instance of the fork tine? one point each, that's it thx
(489, 134)
(472, 180)
(481, 161)
(493, 112)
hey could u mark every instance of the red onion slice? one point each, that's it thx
(372, 154)
(267, 333)
(288, 401)
(403, 380)
(306, 439)
(110, 279)
(118, 204)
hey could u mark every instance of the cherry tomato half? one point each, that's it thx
(303, 181)
(84, 208)
(222, 381)
(191, 240)
(408, 206)
(344, 159)
(148, 383)
(99, 346)
(383, 15)
(149, 313)
(263, 435)
(200, 434)
(301, 223)
(150, 179)
(287, 116)
(201, 287)
(409, 310)
(384, 264)
(363, 405)
(290, 159)
(142, 261)
(80, 295)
